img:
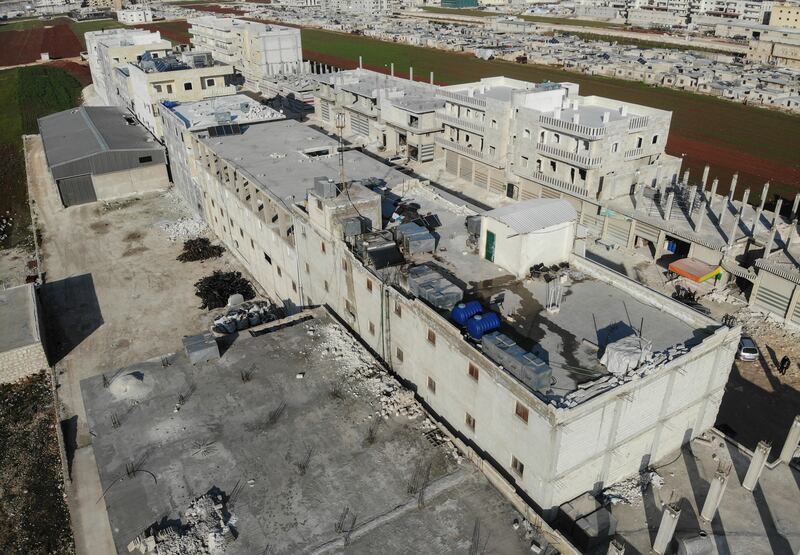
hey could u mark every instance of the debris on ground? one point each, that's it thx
(187, 225)
(215, 289)
(629, 492)
(34, 518)
(199, 248)
(246, 315)
(205, 529)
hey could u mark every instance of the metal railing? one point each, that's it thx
(461, 98)
(556, 183)
(638, 122)
(467, 151)
(569, 157)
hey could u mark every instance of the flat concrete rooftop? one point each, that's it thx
(18, 318)
(283, 157)
(593, 312)
(241, 110)
(328, 393)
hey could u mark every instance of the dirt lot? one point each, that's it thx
(175, 31)
(33, 513)
(22, 47)
(115, 295)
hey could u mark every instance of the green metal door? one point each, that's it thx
(489, 253)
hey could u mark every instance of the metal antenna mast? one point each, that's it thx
(339, 131)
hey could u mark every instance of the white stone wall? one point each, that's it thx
(22, 362)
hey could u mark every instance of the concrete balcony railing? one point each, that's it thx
(219, 91)
(556, 183)
(635, 153)
(370, 112)
(574, 129)
(461, 99)
(470, 152)
(579, 160)
(638, 122)
(461, 123)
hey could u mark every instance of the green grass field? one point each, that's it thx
(645, 43)
(81, 27)
(532, 18)
(763, 133)
(23, 24)
(26, 94)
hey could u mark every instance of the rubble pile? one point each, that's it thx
(205, 529)
(361, 376)
(187, 225)
(629, 492)
(214, 290)
(246, 315)
(199, 248)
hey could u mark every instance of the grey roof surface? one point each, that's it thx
(18, 320)
(272, 155)
(533, 215)
(242, 109)
(88, 130)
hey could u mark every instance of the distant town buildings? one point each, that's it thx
(136, 15)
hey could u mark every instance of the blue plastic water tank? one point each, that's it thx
(464, 311)
(482, 323)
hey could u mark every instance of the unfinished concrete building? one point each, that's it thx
(258, 50)
(397, 116)
(566, 381)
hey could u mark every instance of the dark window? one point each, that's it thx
(187, 86)
(371, 328)
(431, 385)
(280, 272)
(369, 285)
(145, 159)
(469, 421)
(268, 258)
(398, 310)
(399, 353)
(432, 337)
(521, 411)
(473, 372)
(517, 466)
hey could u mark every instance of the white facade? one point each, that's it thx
(259, 51)
(291, 244)
(134, 16)
(114, 48)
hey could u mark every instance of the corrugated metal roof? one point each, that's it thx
(80, 132)
(533, 215)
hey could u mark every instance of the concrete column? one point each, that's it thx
(662, 237)
(360, 63)
(792, 439)
(746, 196)
(668, 208)
(764, 193)
(669, 521)
(431, 78)
(616, 547)
(756, 465)
(792, 233)
(714, 497)
(714, 185)
(692, 196)
(734, 180)
(705, 175)
(756, 220)
(795, 206)
(701, 216)
(787, 316)
(777, 213)
(632, 235)
(391, 69)
(723, 210)
(732, 234)
(770, 241)
(686, 177)
(410, 73)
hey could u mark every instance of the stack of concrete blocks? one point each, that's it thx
(22, 351)
(587, 522)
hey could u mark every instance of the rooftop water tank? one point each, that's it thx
(482, 323)
(464, 311)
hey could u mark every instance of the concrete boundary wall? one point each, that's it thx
(22, 362)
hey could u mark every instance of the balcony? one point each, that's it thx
(356, 107)
(462, 99)
(638, 122)
(573, 129)
(555, 183)
(466, 151)
(579, 160)
(461, 123)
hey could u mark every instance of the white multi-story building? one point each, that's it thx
(259, 51)
(397, 115)
(564, 422)
(135, 15)
(114, 48)
(358, 6)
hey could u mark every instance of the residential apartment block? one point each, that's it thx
(114, 48)
(259, 51)
(396, 115)
(135, 15)
(272, 192)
